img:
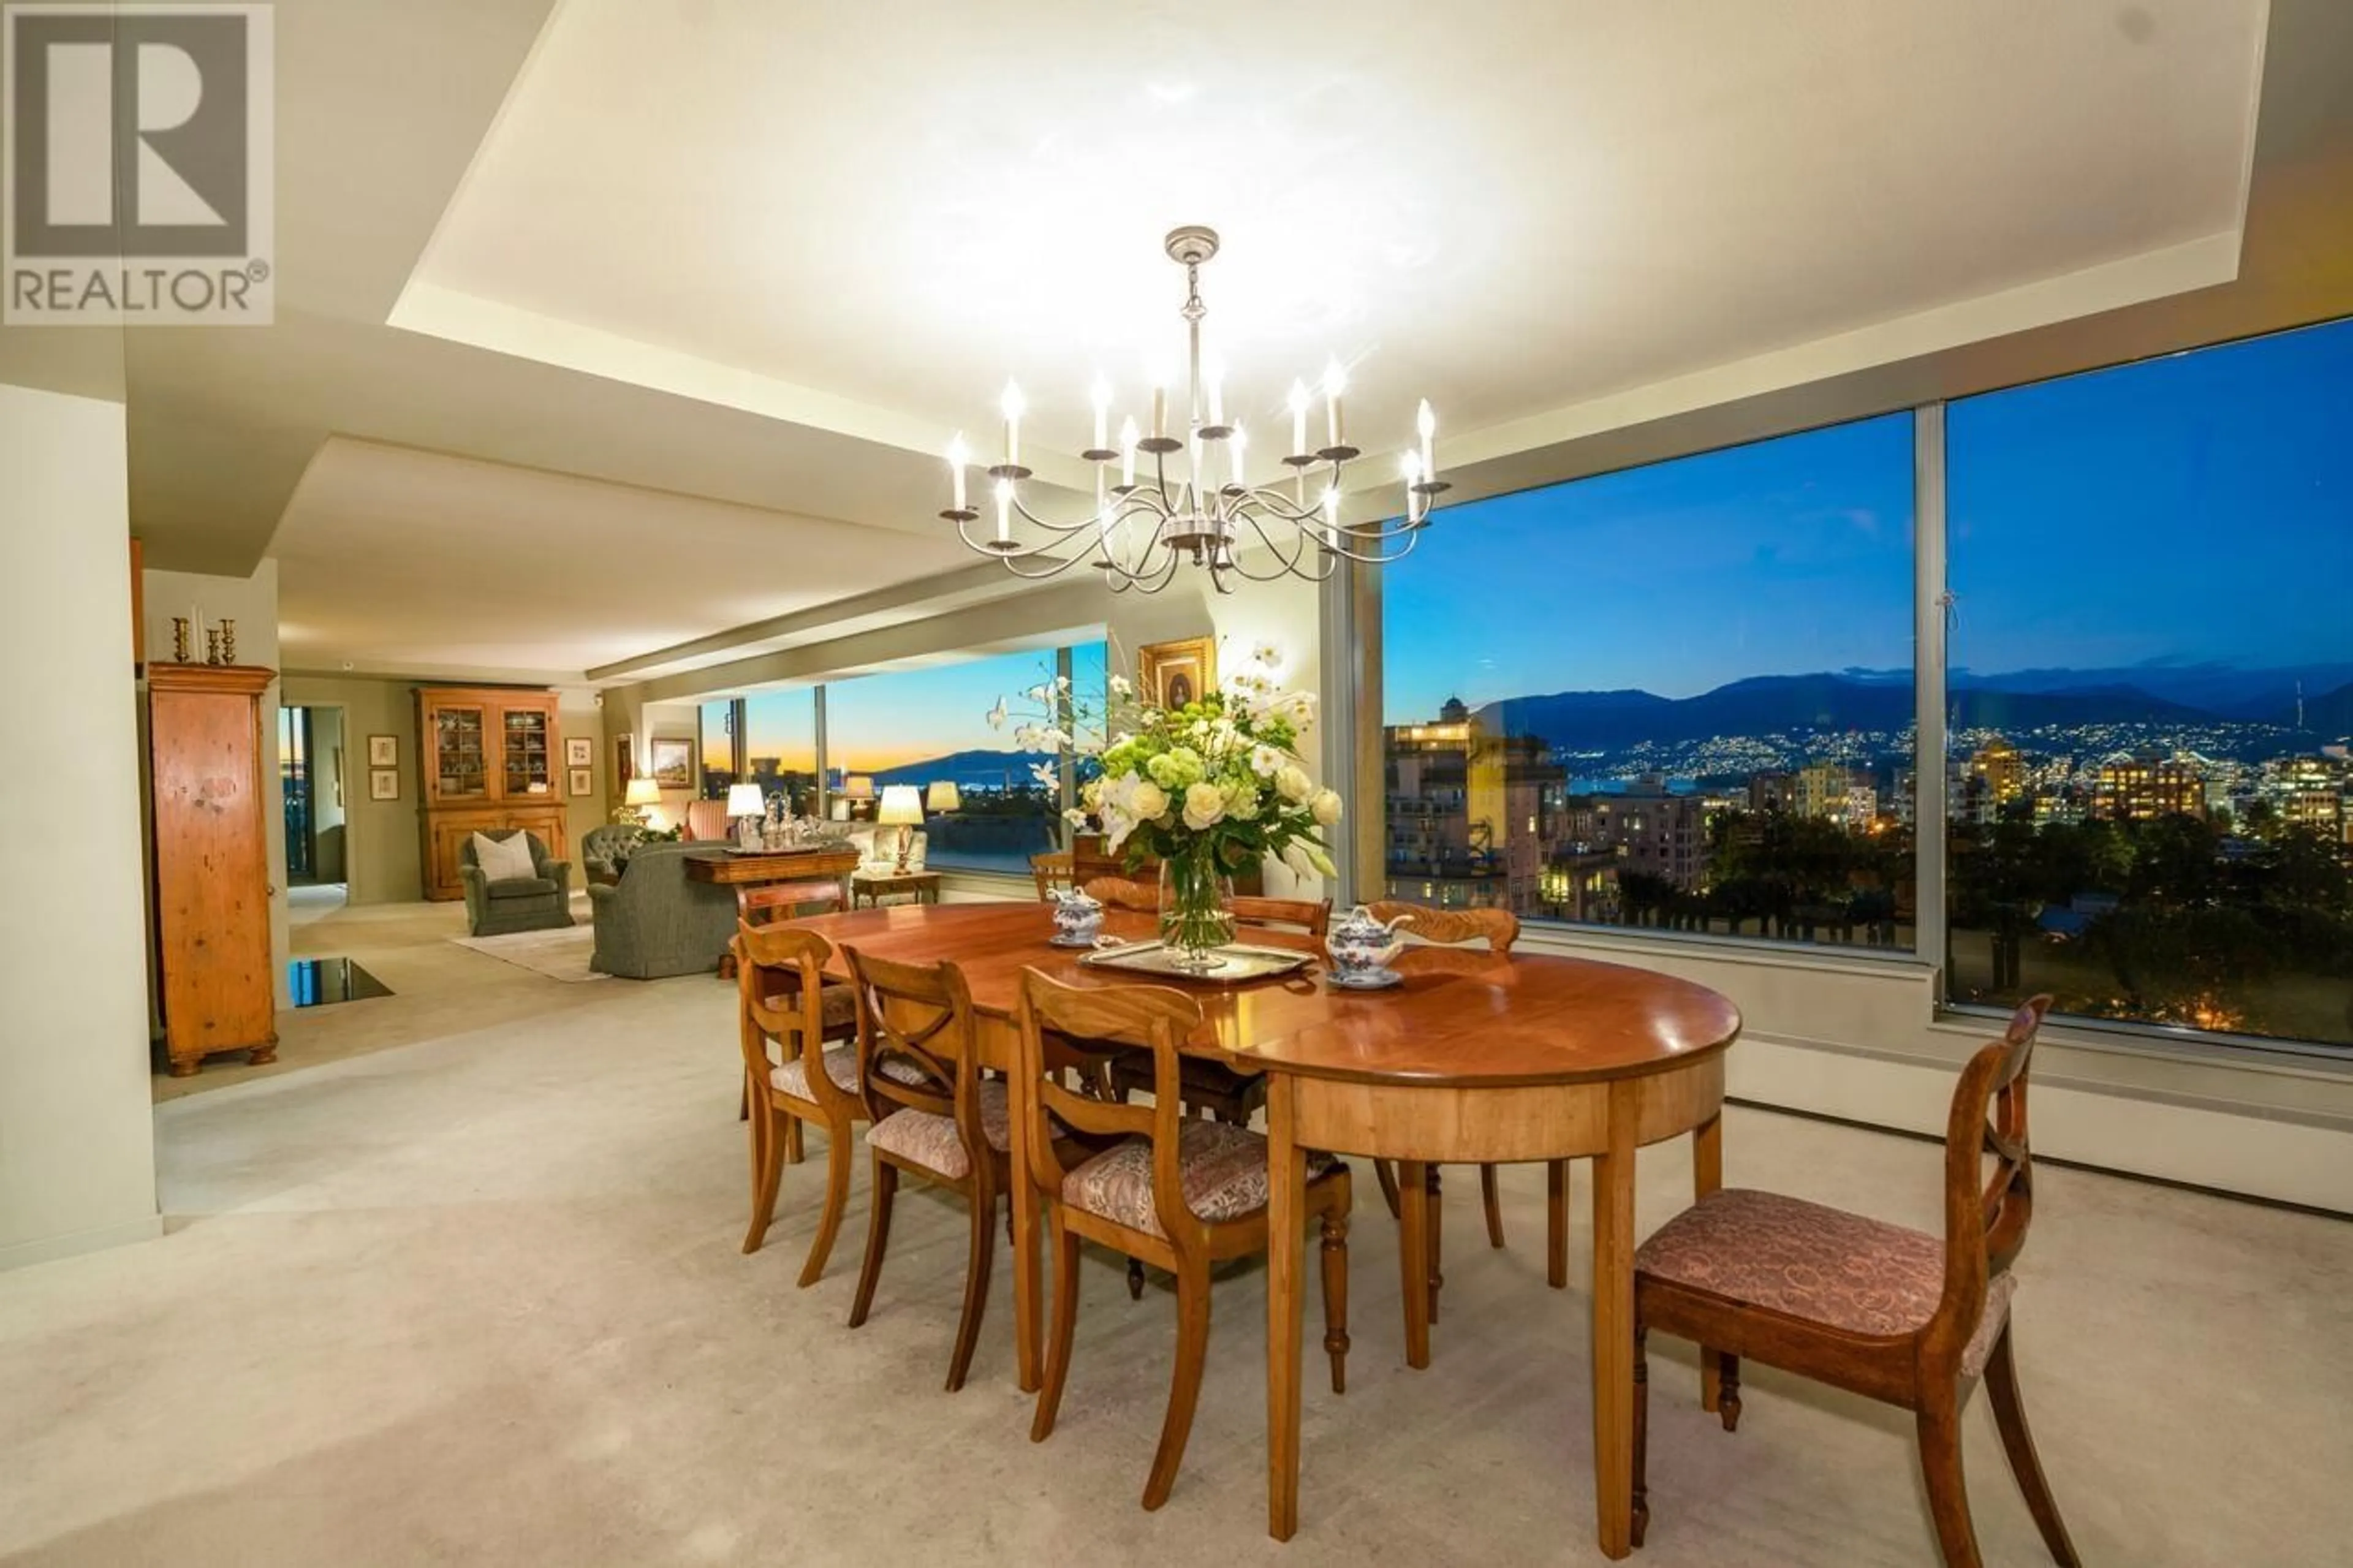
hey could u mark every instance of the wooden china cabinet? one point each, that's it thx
(492, 758)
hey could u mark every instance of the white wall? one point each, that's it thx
(252, 604)
(76, 1136)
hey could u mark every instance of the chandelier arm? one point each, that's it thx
(1286, 565)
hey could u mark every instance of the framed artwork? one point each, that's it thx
(673, 763)
(384, 752)
(1171, 674)
(625, 762)
(579, 753)
(384, 784)
(583, 780)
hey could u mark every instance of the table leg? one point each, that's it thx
(1613, 1326)
(1413, 1259)
(1027, 1337)
(1286, 1218)
(1708, 1176)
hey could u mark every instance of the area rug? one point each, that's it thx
(560, 954)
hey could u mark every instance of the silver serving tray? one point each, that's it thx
(1236, 965)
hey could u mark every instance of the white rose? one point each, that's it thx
(1325, 807)
(1146, 800)
(1205, 804)
(1292, 781)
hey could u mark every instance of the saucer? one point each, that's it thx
(1072, 942)
(1371, 980)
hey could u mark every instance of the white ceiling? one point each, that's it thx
(399, 562)
(1510, 206)
(612, 337)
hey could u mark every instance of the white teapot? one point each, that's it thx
(1361, 946)
(1078, 916)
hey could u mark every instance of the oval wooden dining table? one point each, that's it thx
(1473, 1057)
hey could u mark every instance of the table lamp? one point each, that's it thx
(902, 808)
(942, 797)
(747, 803)
(643, 794)
(858, 789)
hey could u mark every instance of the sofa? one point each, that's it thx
(656, 921)
(539, 902)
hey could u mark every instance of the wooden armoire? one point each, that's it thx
(212, 861)
(492, 758)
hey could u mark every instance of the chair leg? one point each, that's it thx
(792, 1154)
(1135, 1279)
(1493, 1200)
(1437, 1240)
(1385, 1173)
(1185, 1388)
(837, 1151)
(2010, 1414)
(743, 1101)
(1065, 1320)
(882, 1188)
(1557, 1223)
(976, 1285)
(1948, 1495)
(1641, 1436)
(1335, 1292)
(767, 1175)
(1727, 1406)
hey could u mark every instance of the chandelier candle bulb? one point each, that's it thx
(1336, 382)
(1298, 418)
(1159, 402)
(1012, 405)
(1426, 422)
(1102, 413)
(958, 459)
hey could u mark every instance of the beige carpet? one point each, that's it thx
(477, 1299)
(562, 953)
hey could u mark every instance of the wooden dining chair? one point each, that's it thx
(1181, 1194)
(789, 1021)
(1499, 929)
(1878, 1309)
(1052, 869)
(1120, 894)
(934, 1118)
(765, 905)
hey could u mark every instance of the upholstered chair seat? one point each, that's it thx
(1816, 1265)
(840, 1066)
(933, 1142)
(1222, 1169)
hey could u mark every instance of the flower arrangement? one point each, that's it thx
(1209, 788)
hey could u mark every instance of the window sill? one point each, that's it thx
(2154, 1043)
(1547, 936)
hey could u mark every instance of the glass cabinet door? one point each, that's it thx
(461, 754)
(530, 767)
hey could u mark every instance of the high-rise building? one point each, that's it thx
(1654, 831)
(2141, 786)
(2002, 768)
(1822, 790)
(1473, 815)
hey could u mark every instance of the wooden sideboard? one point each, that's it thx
(491, 758)
(212, 861)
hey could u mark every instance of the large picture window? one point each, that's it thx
(985, 807)
(2151, 690)
(1676, 697)
(780, 745)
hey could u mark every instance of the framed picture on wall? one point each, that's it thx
(1171, 674)
(582, 779)
(625, 762)
(579, 751)
(384, 752)
(673, 763)
(384, 784)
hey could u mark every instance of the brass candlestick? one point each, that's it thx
(228, 642)
(179, 639)
(212, 645)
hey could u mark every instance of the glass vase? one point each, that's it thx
(1197, 914)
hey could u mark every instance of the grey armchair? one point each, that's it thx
(657, 922)
(540, 902)
(604, 850)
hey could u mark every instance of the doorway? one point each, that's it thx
(312, 769)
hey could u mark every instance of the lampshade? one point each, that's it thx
(858, 786)
(943, 796)
(746, 800)
(641, 791)
(902, 805)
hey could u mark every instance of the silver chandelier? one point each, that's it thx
(1143, 529)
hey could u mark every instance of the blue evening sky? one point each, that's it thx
(902, 716)
(2196, 508)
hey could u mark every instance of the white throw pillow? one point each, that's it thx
(504, 860)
